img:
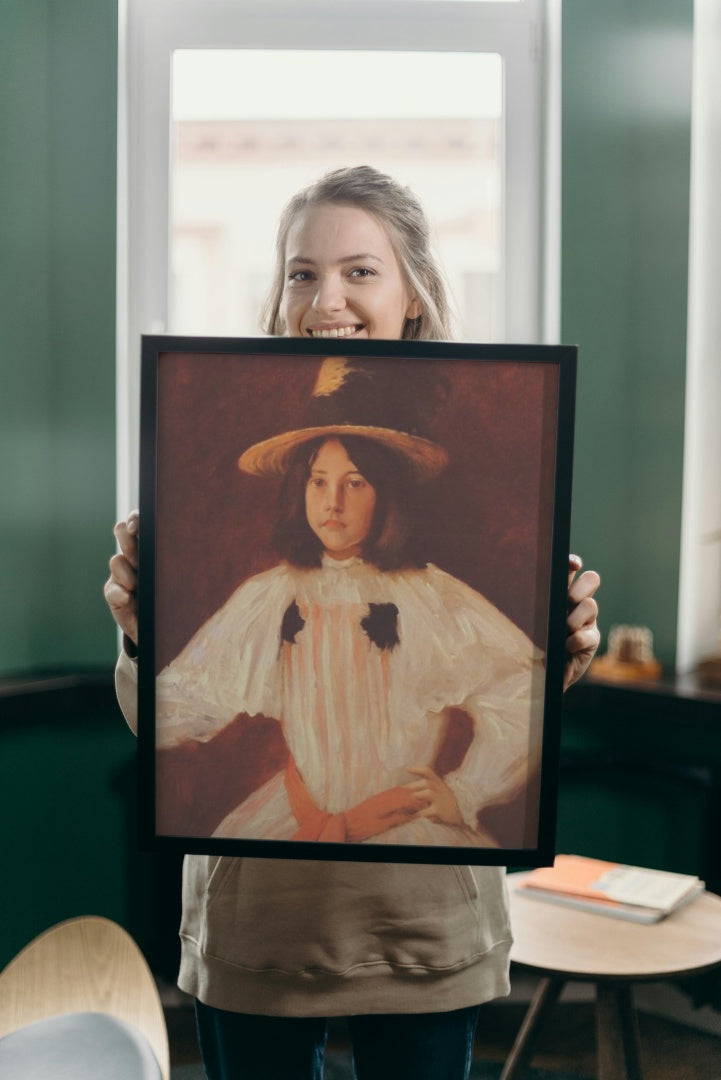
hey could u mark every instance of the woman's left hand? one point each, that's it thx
(583, 635)
(442, 805)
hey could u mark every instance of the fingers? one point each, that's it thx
(440, 801)
(123, 572)
(429, 784)
(575, 562)
(126, 534)
(582, 633)
(582, 614)
(123, 608)
(586, 585)
(583, 641)
(121, 587)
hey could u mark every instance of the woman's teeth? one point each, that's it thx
(336, 332)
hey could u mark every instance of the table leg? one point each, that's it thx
(617, 1033)
(545, 997)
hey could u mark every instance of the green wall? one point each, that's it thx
(58, 72)
(66, 758)
(626, 137)
(626, 146)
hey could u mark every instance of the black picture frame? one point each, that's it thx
(496, 519)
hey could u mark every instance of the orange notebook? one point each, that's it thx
(632, 892)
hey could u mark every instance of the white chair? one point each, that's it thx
(80, 1002)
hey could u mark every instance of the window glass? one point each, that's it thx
(251, 127)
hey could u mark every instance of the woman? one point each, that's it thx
(271, 948)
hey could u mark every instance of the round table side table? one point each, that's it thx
(564, 944)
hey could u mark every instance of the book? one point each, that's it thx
(608, 888)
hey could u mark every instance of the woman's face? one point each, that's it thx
(342, 277)
(339, 502)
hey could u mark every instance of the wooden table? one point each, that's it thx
(563, 944)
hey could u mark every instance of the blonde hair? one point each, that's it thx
(403, 217)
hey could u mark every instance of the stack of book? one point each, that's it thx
(608, 888)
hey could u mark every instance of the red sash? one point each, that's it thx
(395, 806)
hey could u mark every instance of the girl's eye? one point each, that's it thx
(362, 272)
(356, 483)
(300, 276)
(316, 481)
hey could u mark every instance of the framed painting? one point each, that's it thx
(352, 597)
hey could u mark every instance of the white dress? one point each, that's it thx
(356, 715)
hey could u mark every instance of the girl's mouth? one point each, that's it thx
(335, 331)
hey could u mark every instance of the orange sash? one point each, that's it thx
(395, 806)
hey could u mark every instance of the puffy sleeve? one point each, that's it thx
(479, 661)
(505, 750)
(229, 666)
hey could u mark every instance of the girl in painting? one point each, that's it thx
(358, 646)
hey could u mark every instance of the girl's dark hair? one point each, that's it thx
(393, 539)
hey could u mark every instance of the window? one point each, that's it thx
(235, 161)
(227, 107)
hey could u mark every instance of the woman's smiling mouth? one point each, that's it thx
(334, 331)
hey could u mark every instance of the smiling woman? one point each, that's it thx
(353, 259)
(343, 277)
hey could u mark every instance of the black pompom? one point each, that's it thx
(292, 624)
(381, 625)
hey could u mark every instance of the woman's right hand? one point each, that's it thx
(121, 587)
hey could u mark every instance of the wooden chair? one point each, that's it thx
(82, 984)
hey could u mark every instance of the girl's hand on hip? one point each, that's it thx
(120, 589)
(442, 805)
(582, 632)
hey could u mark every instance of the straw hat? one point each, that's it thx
(383, 400)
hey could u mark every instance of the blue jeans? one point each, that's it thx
(415, 1046)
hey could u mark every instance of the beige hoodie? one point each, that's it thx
(286, 937)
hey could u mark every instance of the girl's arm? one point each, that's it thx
(505, 750)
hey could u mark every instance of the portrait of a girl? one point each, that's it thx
(358, 646)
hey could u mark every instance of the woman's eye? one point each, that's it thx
(362, 272)
(300, 276)
(356, 484)
(316, 481)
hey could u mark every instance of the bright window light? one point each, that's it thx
(238, 155)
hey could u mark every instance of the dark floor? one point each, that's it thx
(669, 1051)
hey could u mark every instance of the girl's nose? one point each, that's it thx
(329, 295)
(335, 496)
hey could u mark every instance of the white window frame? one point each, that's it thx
(699, 597)
(526, 34)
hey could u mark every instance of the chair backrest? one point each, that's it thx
(87, 964)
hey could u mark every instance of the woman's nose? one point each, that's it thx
(329, 296)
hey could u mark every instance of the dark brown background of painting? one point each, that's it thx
(490, 524)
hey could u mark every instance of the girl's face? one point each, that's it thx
(339, 502)
(342, 277)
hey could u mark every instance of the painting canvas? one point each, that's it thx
(352, 598)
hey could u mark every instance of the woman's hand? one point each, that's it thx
(121, 587)
(442, 805)
(583, 635)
